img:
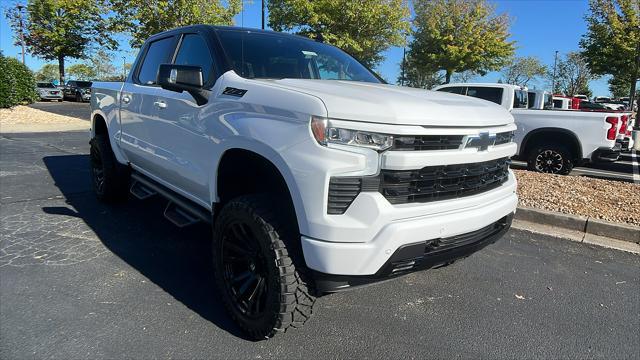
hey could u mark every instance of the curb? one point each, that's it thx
(580, 224)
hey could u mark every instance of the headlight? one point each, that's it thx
(326, 134)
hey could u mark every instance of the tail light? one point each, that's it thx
(611, 133)
(623, 124)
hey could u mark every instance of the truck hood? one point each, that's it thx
(390, 104)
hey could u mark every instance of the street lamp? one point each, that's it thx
(20, 7)
(553, 81)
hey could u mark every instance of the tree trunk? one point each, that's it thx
(447, 78)
(61, 68)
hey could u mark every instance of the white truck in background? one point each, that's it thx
(540, 100)
(551, 141)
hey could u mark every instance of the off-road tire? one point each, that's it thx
(549, 157)
(289, 300)
(106, 169)
(78, 97)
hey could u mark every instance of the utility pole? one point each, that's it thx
(404, 59)
(124, 67)
(20, 8)
(555, 63)
(262, 14)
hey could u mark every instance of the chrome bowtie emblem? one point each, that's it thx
(482, 141)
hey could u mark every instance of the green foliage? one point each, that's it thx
(522, 70)
(612, 43)
(362, 28)
(143, 18)
(48, 72)
(413, 77)
(573, 75)
(101, 64)
(81, 72)
(459, 35)
(17, 83)
(60, 29)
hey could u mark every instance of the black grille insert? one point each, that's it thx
(433, 183)
(342, 192)
(427, 142)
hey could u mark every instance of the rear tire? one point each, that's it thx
(551, 158)
(259, 270)
(110, 179)
(78, 97)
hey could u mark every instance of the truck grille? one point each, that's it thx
(427, 142)
(433, 183)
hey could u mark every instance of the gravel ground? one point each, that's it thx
(603, 199)
(25, 119)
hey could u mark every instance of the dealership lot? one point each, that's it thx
(81, 279)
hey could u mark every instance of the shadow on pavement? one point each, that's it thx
(177, 260)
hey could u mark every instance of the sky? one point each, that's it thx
(539, 28)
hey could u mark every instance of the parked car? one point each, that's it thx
(48, 91)
(562, 103)
(540, 99)
(551, 141)
(78, 90)
(581, 97)
(316, 175)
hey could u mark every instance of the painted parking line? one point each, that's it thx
(636, 167)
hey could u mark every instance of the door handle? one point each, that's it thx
(160, 104)
(126, 99)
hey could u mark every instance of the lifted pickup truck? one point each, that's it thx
(315, 175)
(552, 141)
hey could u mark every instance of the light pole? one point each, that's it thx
(262, 14)
(124, 67)
(20, 7)
(553, 81)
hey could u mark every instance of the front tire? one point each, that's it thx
(78, 97)
(550, 158)
(110, 179)
(259, 272)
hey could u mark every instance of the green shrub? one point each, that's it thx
(17, 84)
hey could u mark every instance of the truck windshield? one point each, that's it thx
(271, 56)
(83, 84)
(520, 99)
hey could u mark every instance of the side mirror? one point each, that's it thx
(181, 78)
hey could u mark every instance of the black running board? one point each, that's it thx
(179, 210)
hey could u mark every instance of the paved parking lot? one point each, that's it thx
(80, 110)
(83, 280)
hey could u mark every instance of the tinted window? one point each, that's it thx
(520, 99)
(486, 93)
(83, 83)
(160, 52)
(45, 85)
(532, 99)
(548, 101)
(260, 55)
(194, 51)
(453, 89)
(557, 104)
(71, 83)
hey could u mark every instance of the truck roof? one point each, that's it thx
(493, 85)
(214, 28)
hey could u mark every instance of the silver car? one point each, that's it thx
(48, 91)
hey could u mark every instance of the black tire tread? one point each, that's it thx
(117, 176)
(296, 292)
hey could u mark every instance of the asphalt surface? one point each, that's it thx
(80, 279)
(80, 110)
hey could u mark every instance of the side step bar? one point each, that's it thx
(180, 211)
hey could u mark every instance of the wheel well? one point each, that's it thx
(555, 136)
(243, 172)
(99, 126)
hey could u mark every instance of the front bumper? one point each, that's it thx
(605, 154)
(437, 220)
(419, 256)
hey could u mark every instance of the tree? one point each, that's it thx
(460, 35)
(414, 77)
(465, 76)
(48, 72)
(522, 70)
(143, 18)
(61, 29)
(573, 75)
(81, 72)
(612, 43)
(101, 64)
(362, 28)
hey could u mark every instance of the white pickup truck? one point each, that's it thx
(551, 141)
(315, 175)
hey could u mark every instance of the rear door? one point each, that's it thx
(139, 112)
